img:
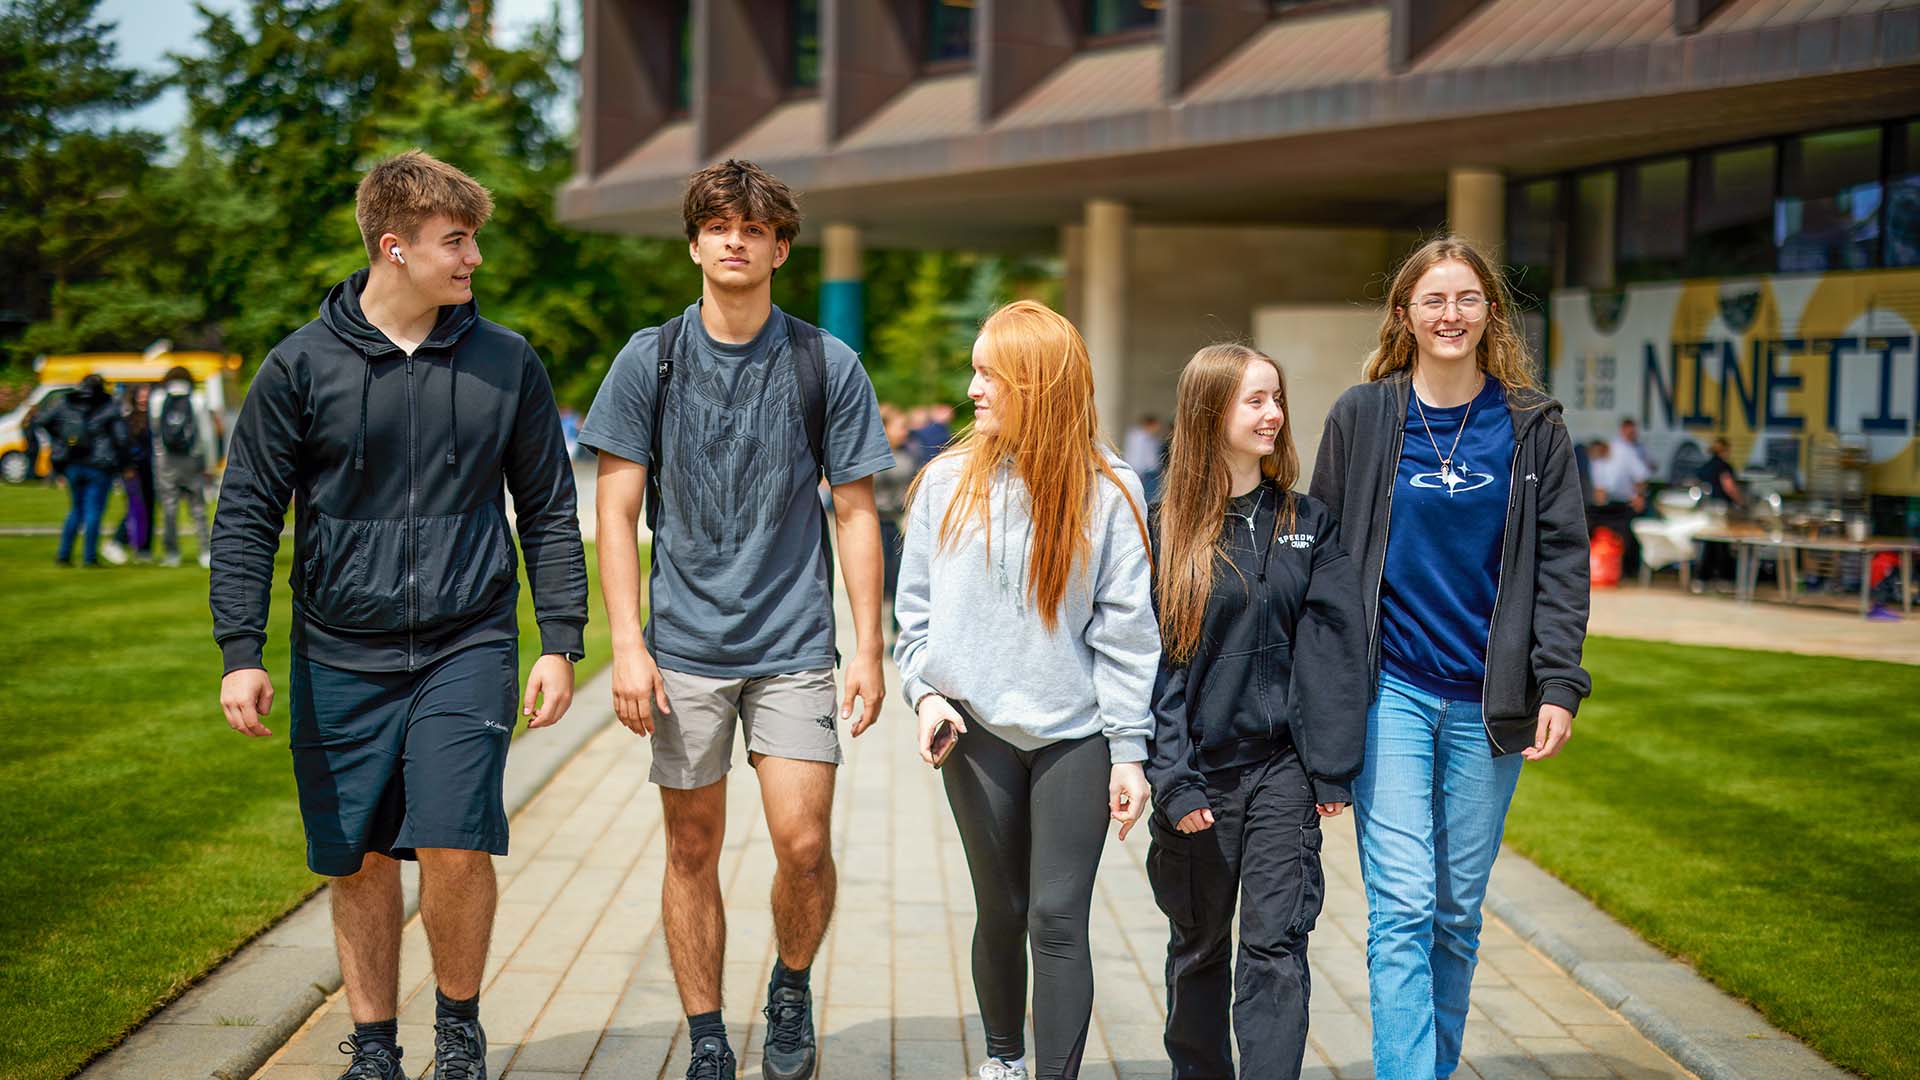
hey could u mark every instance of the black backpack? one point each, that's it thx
(72, 435)
(178, 432)
(803, 339)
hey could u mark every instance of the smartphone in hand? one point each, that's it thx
(945, 738)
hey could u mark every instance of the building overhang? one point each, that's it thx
(1314, 118)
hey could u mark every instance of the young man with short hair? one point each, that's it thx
(721, 423)
(391, 422)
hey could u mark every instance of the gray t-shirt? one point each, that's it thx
(739, 581)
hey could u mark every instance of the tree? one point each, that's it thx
(65, 179)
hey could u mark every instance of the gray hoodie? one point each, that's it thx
(968, 630)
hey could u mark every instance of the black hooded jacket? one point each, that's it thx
(394, 465)
(1282, 660)
(86, 427)
(1539, 624)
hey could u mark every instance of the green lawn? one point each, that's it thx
(145, 840)
(1754, 814)
(35, 503)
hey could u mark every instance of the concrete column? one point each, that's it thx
(1104, 308)
(1477, 207)
(843, 285)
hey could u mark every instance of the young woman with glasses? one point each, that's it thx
(1454, 482)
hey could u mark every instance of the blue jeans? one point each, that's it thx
(88, 489)
(1430, 806)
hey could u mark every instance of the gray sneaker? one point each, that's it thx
(459, 1050)
(789, 1053)
(712, 1060)
(372, 1063)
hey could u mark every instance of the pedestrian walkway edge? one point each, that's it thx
(1694, 1022)
(228, 1024)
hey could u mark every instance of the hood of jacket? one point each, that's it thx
(341, 313)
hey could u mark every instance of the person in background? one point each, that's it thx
(890, 499)
(87, 437)
(133, 537)
(1144, 445)
(931, 432)
(1717, 475)
(185, 435)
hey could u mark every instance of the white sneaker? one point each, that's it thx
(206, 560)
(111, 551)
(170, 561)
(995, 1069)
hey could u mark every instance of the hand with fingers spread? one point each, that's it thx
(933, 709)
(246, 695)
(549, 691)
(866, 681)
(1127, 794)
(1551, 734)
(637, 689)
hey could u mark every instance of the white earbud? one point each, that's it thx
(395, 252)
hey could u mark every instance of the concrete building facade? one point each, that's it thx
(1212, 169)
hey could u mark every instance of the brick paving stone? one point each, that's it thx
(578, 983)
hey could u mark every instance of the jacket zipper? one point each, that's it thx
(1499, 580)
(412, 541)
(1386, 532)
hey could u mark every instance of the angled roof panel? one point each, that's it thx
(939, 107)
(1756, 14)
(1295, 53)
(1517, 31)
(1102, 82)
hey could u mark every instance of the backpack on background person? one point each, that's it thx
(179, 434)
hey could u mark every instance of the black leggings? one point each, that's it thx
(1033, 824)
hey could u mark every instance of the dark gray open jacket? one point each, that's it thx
(393, 464)
(1540, 608)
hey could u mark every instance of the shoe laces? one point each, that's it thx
(371, 1062)
(709, 1062)
(456, 1044)
(788, 1022)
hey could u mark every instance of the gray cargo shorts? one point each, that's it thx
(793, 716)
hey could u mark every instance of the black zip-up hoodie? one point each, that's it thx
(1281, 661)
(1540, 606)
(394, 466)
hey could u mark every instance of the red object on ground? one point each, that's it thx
(1603, 559)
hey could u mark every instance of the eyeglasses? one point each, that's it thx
(1433, 308)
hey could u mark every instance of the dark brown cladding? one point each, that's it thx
(1305, 102)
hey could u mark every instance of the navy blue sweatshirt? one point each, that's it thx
(1443, 554)
(1282, 661)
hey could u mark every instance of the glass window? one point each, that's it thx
(949, 30)
(1903, 196)
(803, 44)
(1590, 258)
(1828, 213)
(1732, 212)
(1533, 213)
(683, 56)
(1653, 220)
(1119, 16)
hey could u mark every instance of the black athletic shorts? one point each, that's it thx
(390, 761)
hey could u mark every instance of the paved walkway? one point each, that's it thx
(578, 984)
(1664, 613)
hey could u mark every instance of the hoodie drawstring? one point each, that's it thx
(453, 414)
(360, 441)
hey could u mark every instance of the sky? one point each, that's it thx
(147, 30)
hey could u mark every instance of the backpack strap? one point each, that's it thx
(810, 370)
(663, 367)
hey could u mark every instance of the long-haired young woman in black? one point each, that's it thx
(1259, 717)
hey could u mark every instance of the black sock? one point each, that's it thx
(705, 1025)
(446, 1008)
(379, 1035)
(787, 977)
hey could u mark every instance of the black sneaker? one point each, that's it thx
(459, 1050)
(712, 1060)
(371, 1063)
(789, 1052)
